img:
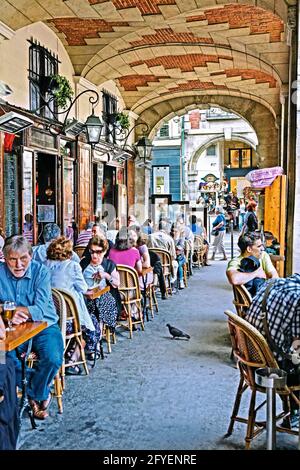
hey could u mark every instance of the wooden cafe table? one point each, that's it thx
(21, 334)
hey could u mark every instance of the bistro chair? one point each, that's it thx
(188, 253)
(242, 300)
(199, 251)
(150, 297)
(252, 352)
(166, 263)
(60, 308)
(79, 250)
(75, 338)
(130, 295)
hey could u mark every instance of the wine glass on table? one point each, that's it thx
(9, 309)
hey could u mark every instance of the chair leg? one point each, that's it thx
(150, 300)
(236, 406)
(251, 420)
(107, 334)
(154, 298)
(58, 390)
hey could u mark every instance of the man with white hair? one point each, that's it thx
(219, 227)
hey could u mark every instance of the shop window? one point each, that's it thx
(42, 63)
(240, 158)
(109, 110)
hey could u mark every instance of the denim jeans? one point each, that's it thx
(48, 345)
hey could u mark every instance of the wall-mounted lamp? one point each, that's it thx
(144, 148)
(13, 122)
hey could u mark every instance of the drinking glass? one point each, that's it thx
(9, 309)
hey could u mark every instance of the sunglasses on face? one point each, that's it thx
(95, 252)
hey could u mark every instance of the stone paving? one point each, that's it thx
(153, 392)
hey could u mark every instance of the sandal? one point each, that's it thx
(37, 412)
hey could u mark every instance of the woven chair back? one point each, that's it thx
(249, 347)
(242, 300)
(129, 283)
(79, 250)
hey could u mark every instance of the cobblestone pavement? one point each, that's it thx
(153, 392)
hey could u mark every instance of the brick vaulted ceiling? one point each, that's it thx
(158, 49)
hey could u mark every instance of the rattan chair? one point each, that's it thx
(74, 338)
(130, 295)
(199, 251)
(242, 300)
(79, 250)
(252, 351)
(32, 359)
(166, 262)
(59, 381)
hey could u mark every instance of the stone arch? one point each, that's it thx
(261, 119)
(213, 140)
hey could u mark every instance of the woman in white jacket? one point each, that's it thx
(66, 274)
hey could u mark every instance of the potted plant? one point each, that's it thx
(123, 120)
(60, 88)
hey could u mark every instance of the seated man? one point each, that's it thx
(9, 425)
(27, 283)
(283, 320)
(164, 241)
(250, 245)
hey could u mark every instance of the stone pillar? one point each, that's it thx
(292, 233)
(141, 200)
(296, 221)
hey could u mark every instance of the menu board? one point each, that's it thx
(11, 194)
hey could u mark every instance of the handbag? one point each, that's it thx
(215, 232)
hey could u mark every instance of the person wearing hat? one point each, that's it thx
(219, 227)
(51, 232)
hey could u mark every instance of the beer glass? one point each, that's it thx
(9, 309)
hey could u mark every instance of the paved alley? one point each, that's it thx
(153, 392)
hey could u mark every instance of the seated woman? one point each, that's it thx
(139, 241)
(66, 274)
(102, 272)
(125, 253)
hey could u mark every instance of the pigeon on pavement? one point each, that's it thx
(176, 333)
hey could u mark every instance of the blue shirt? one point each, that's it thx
(220, 218)
(33, 291)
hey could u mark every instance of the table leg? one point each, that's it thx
(24, 403)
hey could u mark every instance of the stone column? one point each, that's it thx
(296, 222)
(292, 233)
(141, 200)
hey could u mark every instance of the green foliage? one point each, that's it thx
(123, 120)
(61, 90)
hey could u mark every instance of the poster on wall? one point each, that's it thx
(161, 180)
(46, 213)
